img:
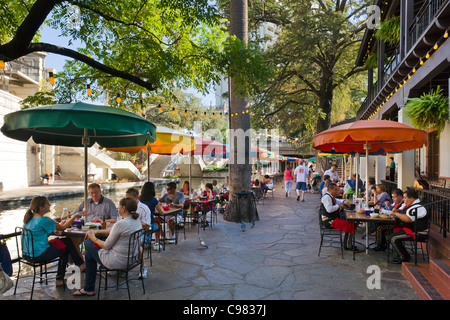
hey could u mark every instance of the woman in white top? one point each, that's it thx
(113, 252)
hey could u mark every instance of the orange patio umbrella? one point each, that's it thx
(168, 142)
(370, 136)
(379, 135)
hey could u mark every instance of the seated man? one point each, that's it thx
(406, 220)
(175, 200)
(98, 206)
(381, 228)
(330, 208)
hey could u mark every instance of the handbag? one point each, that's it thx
(5, 258)
(5, 281)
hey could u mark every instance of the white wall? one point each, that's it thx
(13, 153)
(444, 152)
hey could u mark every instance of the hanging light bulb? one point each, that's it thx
(173, 110)
(214, 116)
(51, 79)
(220, 115)
(427, 56)
(204, 115)
(414, 70)
(118, 98)
(185, 113)
(2, 64)
(196, 114)
(421, 62)
(446, 34)
(88, 87)
(435, 46)
(159, 108)
(226, 115)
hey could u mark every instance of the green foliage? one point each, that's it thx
(314, 56)
(40, 98)
(429, 111)
(389, 30)
(170, 44)
(215, 169)
(372, 61)
(12, 15)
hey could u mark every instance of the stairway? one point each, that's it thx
(431, 281)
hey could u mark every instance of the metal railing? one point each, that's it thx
(423, 19)
(389, 185)
(392, 65)
(439, 212)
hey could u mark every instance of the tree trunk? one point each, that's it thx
(325, 103)
(240, 168)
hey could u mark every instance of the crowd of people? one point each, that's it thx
(399, 205)
(137, 210)
(109, 246)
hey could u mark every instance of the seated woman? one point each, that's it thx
(188, 192)
(147, 197)
(209, 194)
(259, 192)
(267, 183)
(44, 250)
(113, 252)
(381, 195)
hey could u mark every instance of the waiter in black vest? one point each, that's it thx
(330, 210)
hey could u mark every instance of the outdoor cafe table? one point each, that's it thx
(172, 212)
(353, 216)
(198, 202)
(74, 232)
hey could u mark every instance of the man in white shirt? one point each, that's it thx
(407, 220)
(330, 208)
(332, 172)
(301, 174)
(142, 209)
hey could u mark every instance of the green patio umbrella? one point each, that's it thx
(79, 125)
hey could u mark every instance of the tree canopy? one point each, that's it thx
(315, 57)
(137, 48)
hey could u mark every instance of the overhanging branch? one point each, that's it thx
(89, 61)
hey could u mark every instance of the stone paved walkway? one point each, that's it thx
(276, 260)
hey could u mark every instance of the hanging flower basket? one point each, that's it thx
(429, 111)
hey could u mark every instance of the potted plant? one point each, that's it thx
(389, 31)
(429, 111)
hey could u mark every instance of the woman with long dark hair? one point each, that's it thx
(41, 226)
(147, 197)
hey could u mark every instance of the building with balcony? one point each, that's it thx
(418, 63)
(410, 64)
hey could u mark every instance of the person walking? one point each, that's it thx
(288, 180)
(301, 176)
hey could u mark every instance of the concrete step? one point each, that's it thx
(441, 268)
(426, 279)
(439, 246)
